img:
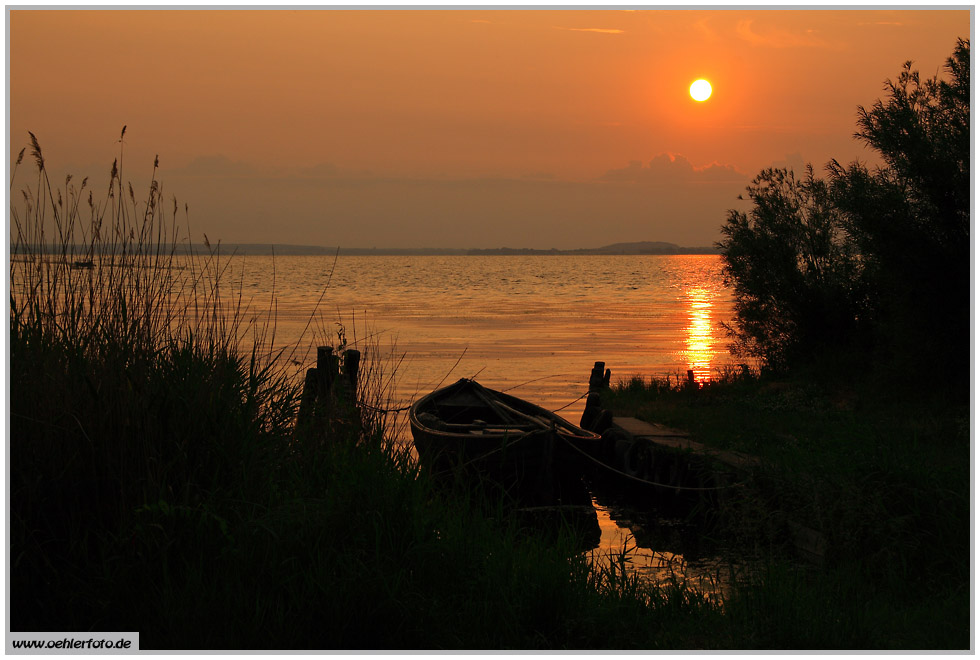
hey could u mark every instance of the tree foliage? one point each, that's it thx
(866, 257)
(793, 269)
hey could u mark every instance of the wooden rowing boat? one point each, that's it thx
(467, 424)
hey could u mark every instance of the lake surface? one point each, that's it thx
(530, 325)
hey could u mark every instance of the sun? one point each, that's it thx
(700, 90)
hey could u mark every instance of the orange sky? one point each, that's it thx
(456, 128)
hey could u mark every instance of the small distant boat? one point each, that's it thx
(467, 424)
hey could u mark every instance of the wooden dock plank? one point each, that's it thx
(678, 439)
(810, 543)
(639, 428)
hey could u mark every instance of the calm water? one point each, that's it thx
(531, 325)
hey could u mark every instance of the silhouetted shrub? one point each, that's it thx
(911, 219)
(794, 269)
(865, 262)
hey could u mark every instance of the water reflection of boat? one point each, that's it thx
(467, 424)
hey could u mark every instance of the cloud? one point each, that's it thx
(600, 30)
(540, 211)
(717, 172)
(778, 38)
(673, 168)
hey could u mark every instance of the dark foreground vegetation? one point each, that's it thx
(884, 481)
(159, 484)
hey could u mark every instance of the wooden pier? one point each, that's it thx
(676, 440)
(656, 455)
(668, 461)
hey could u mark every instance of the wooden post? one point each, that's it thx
(594, 418)
(308, 399)
(323, 354)
(596, 379)
(593, 407)
(352, 364)
(329, 402)
(314, 405)
(326, 367)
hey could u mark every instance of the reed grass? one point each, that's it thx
(159, 483)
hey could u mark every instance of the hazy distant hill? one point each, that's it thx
(269, 248)
(265, 249)
(641, 247)
(257, 249)
(653, 247)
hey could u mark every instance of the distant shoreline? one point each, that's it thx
(267, 249)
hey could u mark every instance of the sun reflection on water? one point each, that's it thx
(701, 340)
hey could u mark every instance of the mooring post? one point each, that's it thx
(597, 378)
(308, 399)
(323, 354)
(328, 390)
(316, 388)
(326, 367)
(594, 418)
(352, 364)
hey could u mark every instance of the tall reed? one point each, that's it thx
(159, 483)
(136, 379)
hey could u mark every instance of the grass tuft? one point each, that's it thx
(159, 482)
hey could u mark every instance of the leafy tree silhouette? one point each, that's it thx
(875, 262)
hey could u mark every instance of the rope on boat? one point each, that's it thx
(652, 483)
(571, 404)
(524, 436)
(384, 410)
(533, 380)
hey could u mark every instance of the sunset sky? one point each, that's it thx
(455, 128)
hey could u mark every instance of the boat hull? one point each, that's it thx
(466, 425)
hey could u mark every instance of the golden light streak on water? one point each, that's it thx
(701, 333)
